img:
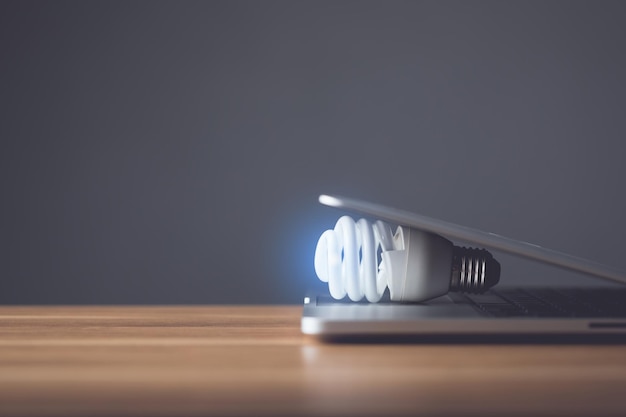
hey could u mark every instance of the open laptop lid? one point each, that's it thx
(477, 237)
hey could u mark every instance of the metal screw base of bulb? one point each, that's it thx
(473, 270)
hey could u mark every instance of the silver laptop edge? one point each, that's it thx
(445, 319)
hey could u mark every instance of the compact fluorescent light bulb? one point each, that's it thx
(361, 259)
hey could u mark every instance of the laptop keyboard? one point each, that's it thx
(550, 302)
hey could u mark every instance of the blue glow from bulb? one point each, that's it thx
(294, 243)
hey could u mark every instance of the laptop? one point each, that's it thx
(500, 311)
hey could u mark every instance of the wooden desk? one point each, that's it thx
(254, 361)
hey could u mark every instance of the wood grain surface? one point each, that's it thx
(253, 360)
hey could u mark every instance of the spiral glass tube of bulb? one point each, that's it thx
(347, 258)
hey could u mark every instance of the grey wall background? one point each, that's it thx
(173, 152)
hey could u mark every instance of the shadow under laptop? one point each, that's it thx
(478, 339)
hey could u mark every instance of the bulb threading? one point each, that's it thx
(473, 270)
